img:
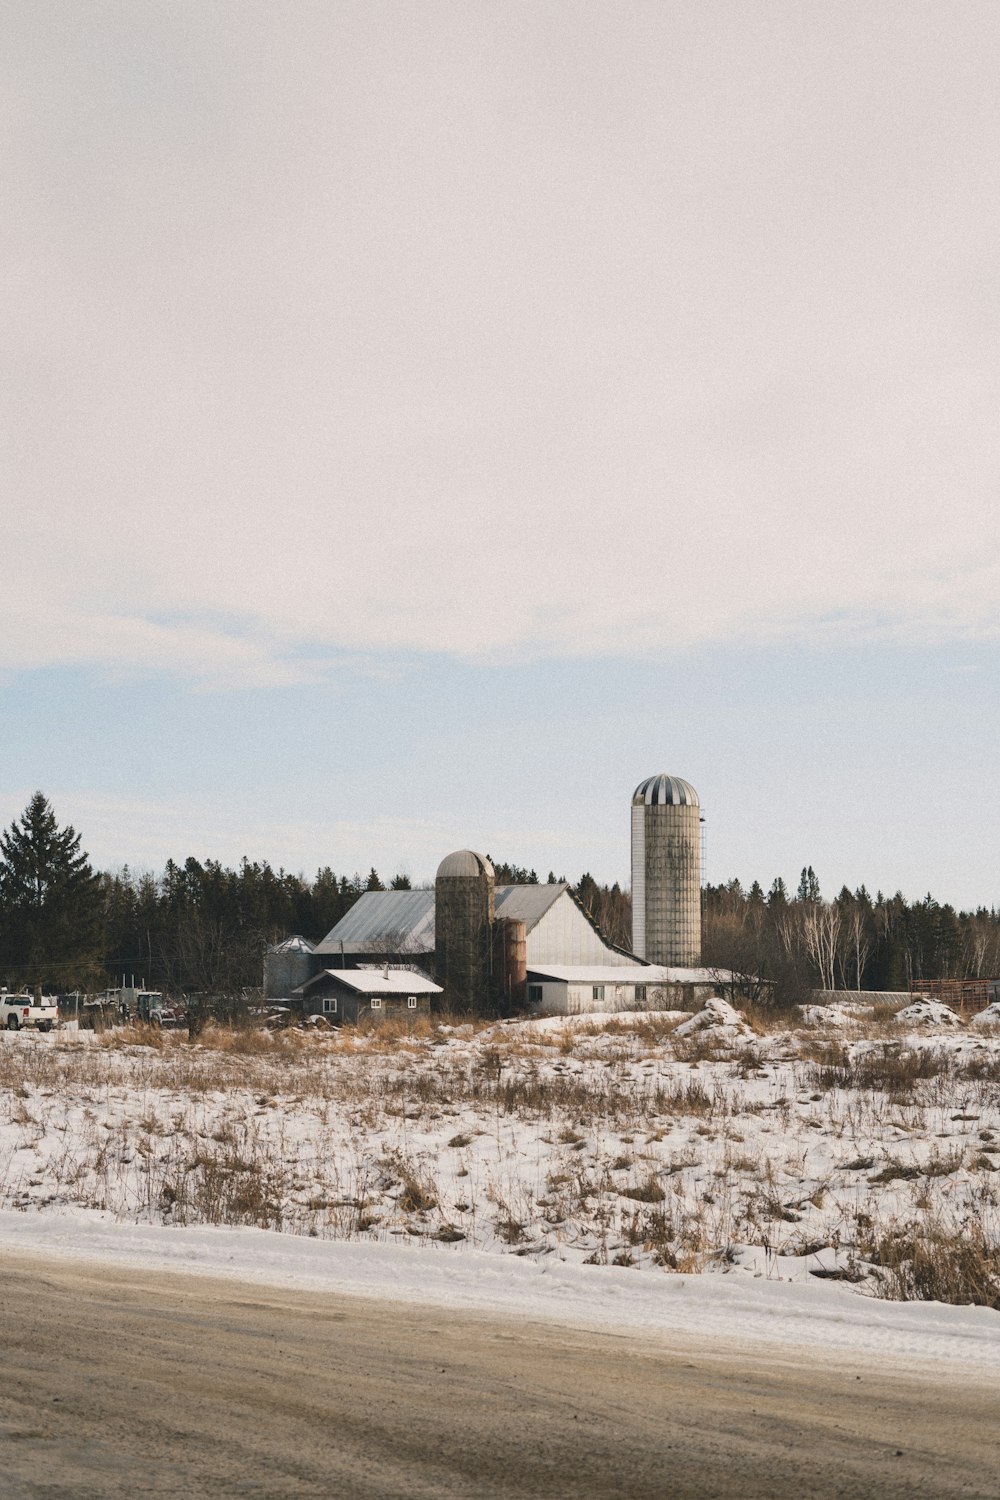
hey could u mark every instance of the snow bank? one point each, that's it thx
(823, 1015)
(740, 1309)
(718, 1017)
(987, 1019)
(927, 1013)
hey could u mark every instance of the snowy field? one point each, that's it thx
(636, 1168)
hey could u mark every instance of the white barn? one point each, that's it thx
(400, 924)
(580, 989)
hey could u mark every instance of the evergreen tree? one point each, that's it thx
(50, 903)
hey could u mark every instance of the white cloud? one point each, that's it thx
(357, 331)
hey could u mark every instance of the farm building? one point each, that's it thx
(570, 990)
(394, 924)
(486, 944)
(353, 994)
(466, 930)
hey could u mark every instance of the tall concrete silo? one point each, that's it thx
(666, 872)
(463, 927)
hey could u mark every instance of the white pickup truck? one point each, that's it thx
(24, 1010)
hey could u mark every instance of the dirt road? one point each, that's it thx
(134, 1385)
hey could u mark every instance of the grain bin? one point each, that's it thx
(286, 966)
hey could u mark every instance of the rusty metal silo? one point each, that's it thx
(510, 963)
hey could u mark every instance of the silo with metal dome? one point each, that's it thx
(463, 930)
(666, 872)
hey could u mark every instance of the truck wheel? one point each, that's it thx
(12, 1023)
(45, 1026)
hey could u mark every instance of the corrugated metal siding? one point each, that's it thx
(639, 881)
(666, 791)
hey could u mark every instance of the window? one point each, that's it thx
(329, 1007)
(534, 994)
(598, 992)
(411, 1001)
(376, 1003)
(640, 993)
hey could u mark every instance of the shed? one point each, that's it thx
(577, 989)
(350, 994)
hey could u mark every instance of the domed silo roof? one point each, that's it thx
(465, 864)
(665, 790)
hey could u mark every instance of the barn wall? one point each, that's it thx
(560, 998)
(564, 936)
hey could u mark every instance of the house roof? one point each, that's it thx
(376, 982)
(403, 921)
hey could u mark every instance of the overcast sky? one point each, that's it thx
(423, 422)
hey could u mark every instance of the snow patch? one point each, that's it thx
(718, 1017)
(927, 1013)
(823, 1015)
(987, 1019)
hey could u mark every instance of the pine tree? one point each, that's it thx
(50, 903)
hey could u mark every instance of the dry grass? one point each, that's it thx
(931, 1260)
(626, 1148)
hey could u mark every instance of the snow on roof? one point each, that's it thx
(623, 974)
(294, 944)
(377, 981)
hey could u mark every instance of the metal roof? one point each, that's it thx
(384, 920)
(376, 982)
(663, 790)
(403, 921)
(294, 944)
(600, 974)
(526, 903)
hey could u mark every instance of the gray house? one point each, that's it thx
(355, 994)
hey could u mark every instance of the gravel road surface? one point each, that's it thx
(133, 1384)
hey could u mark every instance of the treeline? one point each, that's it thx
(203, 928)
(198, 927)
(789, 944)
